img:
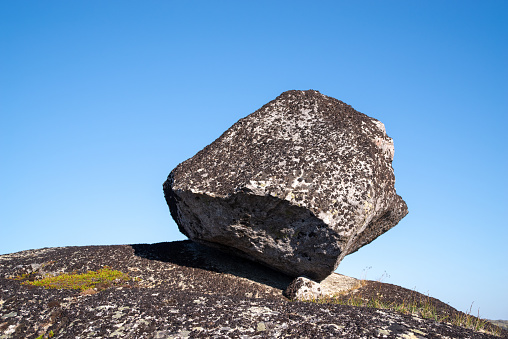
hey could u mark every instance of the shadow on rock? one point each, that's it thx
(191, 254)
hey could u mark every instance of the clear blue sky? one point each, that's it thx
(100, 100)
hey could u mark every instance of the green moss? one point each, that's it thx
(102, 278)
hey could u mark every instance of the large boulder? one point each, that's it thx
(296, 185)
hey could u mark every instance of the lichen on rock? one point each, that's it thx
(296, 185)
(189, 290)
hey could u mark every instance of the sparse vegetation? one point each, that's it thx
(501, 323)
(50, 335)
(422, 307)
(92, 280)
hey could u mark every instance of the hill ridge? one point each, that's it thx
(181, 289)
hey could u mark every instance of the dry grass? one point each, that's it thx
(422, 307)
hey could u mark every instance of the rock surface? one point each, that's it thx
(296, 185)
(305, 289)
(189, 291)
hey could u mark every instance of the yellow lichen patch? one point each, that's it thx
(100, 279)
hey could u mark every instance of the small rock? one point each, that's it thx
(117, 315)
(161, 335)
(303, 289)
(261, 327)
(184, 334)
(9, 315)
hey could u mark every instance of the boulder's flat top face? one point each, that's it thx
(297, 185)
(302, 144)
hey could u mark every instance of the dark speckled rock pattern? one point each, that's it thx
(185, 290)
(296, 185)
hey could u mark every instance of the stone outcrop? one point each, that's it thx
(184, 290)
(296, 185)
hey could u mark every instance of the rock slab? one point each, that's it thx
(296, 185)
(180, 290)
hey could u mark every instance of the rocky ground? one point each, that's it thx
(500, 323)
(181, 289)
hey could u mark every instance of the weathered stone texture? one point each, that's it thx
(296, 185)
(303, 289)
(184, 290)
